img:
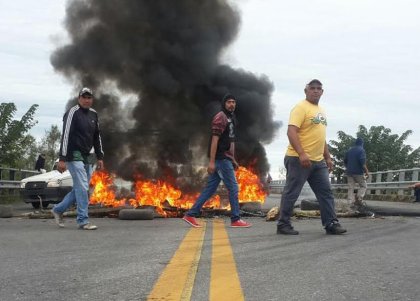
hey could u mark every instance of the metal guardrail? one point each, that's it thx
(10, 180)
(15, 174)
(9, 184)
(381, 182)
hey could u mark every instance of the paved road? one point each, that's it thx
(377, 260)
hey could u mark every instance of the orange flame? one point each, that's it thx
(250, 186)
(149, 193)
(160, 194)
(103, 193)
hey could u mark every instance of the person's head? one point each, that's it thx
(85, 98)
(359, 141)
(313, 91)
(229, 103)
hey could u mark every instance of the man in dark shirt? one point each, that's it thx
(357, 172)
(416, 188)
(80, 134)
(40, 162)
(221, 165)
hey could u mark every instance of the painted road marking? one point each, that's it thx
(224, 281)
(177, 279)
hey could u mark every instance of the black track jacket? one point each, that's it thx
(80, 133)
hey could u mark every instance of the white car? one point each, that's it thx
(46, 188)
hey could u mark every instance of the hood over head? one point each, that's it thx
(224, 99)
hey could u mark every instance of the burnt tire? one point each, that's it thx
(136, 214)
(45, 205)
(36, 205)
(253, 207)
(309, 205)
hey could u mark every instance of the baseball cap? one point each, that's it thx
(315, 81)
(85, 91)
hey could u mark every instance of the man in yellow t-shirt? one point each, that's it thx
(308, 159)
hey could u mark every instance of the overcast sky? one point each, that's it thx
(366, 53)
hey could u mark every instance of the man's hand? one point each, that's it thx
(99, 164)
(235, 164)
(330, 164)
(304, 160)
(61, 166)
(211, 168)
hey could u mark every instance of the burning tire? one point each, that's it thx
(136, 214)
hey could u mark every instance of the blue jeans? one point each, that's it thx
(80, 173)
(318, 178)
(224, 171)
(417, 194)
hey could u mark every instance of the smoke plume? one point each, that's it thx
(167, 54)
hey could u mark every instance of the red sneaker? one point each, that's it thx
(192, 221)
(240, 224)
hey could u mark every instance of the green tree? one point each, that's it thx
(14, 140)
(50, 145)
(32, 151)
(384, 150)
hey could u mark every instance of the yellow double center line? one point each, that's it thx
(224, 281)
(177, 280)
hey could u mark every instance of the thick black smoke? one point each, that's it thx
(168, 54)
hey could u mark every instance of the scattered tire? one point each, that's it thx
(253, 207)
(136, 214)
(6, 211)
(309, 205)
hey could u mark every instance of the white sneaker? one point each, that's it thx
(58, 218)
(88, 226)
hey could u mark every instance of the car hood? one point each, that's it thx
(48, 176)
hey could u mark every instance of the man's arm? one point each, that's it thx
(218, 125)
(292, 134)
(327, 157)
(415, 186)
(213, 148)
(61, 165)
(366, 170)
(97, 144)
(363, 163)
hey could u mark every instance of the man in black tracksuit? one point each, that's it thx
(80, 134)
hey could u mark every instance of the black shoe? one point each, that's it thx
(286, 230)
(335, 229)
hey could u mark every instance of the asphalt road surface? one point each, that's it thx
(378, 259)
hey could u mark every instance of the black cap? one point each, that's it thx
(86, 91)
(315, 81)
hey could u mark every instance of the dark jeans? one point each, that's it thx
(224, 172)
(417, 194)
(318, 178)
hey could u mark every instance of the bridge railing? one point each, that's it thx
(381, 183)
(10, 180)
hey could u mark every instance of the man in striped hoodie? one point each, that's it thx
(80, 134)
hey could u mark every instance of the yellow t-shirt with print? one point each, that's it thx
(312, 122)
